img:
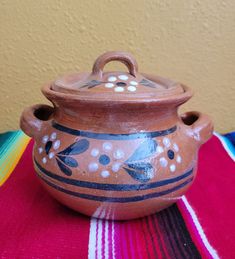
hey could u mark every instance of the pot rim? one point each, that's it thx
(94, 99)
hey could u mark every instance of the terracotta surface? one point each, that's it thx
(114, 140)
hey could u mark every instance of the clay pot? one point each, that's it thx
(113, 145)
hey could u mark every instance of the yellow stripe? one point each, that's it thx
(12, 157)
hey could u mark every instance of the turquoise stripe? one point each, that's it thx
(5, 136)
(229, 145)
(7, 140)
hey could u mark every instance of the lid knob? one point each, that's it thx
(124, 57)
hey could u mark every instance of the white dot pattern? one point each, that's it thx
(118, 154)
(107, 146)
(178, 159)
(105, 173)
(166, 142)
(53, 136)
(56, 144)
(109, 85)
(123, 77)
(119, 89)
(131, 88)
(112, 79)
(159, 149)
(40, 150)
(44, 160)
(45, 139)
(116, 167)
(51, 155)
(93, 167)
(163, 162)
(95, 152)
(172, 168)
(175, 147)
(133, 83)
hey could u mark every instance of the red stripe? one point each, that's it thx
(212, 198)
(34, 223)
(192, 229)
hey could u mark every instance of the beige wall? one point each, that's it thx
(192, 41)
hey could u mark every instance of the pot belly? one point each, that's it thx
(115, 176)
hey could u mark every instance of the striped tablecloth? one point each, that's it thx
(34, 225)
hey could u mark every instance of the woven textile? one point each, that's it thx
(34, 225)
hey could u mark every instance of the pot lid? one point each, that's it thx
(125, 86)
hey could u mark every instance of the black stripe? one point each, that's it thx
(118, 199)
(181, 237)
(184, 232)
(166, 231)
(106, 136)
(112, 187)
(175, 235)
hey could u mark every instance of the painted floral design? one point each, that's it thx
(49, 145)
(105, 156)
(171, 157)
(65, 158)
(120, 83)
(109, 160)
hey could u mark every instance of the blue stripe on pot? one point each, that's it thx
(112, 187)
(118, 199)
(105, 136)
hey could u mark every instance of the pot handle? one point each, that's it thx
(201, 125)
(34, 118)
(124, 57)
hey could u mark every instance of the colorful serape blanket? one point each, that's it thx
(34, 225)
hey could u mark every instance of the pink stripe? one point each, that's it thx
(137, 242)
(193, 230)
(118, 240)
(103, 238)
(125, 240)
(130, 238)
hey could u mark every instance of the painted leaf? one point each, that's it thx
(66, 170)
(141, 166)
(68, 160)
(48, 147)
(91, 84)
(145, 149)
(76, 148)
(148, 83)
(141, 172)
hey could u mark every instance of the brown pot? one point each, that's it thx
(113, 145)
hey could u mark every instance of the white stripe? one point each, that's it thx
(224, 144)
(99, 241)
(106, 240)
(92, 246)
(92, 239)
(198, 226)
(113, 244)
